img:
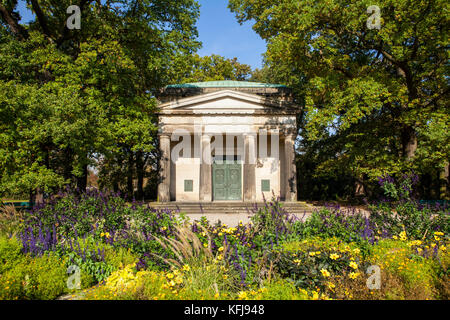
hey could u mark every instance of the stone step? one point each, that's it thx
(228, 207)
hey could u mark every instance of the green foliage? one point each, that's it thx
(69, 100)
(207, 280)
(280, 289)
(346, 225)
(10, 253)
(271, 222)
(370, 104)
(310, 263)
(154, 255)
(40, 278)
(211, 68)
(401, 259)
(417, 222)
(11, 219)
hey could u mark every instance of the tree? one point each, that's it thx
(209, 68)
(374, 92)
(71, 97)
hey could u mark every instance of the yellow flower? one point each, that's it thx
(443, 248)
(242, 295)
(356, 251)
(324, 272)
(297, 261)
(220, 249)
(169, 276)
(353, 265)
(186, 268)
(438, 233)
(205, 245)
(315, 295)
(312, 254)
(403, 236)
(415, 243)
(334, 256)
(353, 275)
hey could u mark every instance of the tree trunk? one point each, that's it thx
(359, 188)
(409, 142)
(67, 163)
(443, 181)
(140, 175)
(130, 188)
(32, 198)
(82, 181)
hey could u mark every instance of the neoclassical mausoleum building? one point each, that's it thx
(227, 141)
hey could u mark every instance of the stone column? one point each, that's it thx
(249, 184)
(290, 168)
(164, 174)
(205, 169)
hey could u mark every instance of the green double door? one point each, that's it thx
(227, 181)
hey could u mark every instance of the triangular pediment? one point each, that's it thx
(225, 101)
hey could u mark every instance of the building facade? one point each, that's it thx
(227, 141)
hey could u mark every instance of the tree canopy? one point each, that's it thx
(375, 99)
(70, 98)
(73, 100)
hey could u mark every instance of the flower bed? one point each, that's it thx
(131, 251)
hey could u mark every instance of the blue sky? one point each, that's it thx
(219, 32)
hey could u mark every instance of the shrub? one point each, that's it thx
(280, 289)
(127, 284)
(401, 259)
(392, 287)
(309, 264)
(10, 253)
(41, 278)
(95, 258)
(104, 217)
(271, 222)
(209, 281)
(347, 225)
(10, 219)
(403, 213)
(417, 221)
